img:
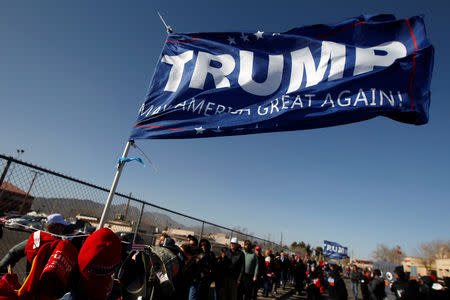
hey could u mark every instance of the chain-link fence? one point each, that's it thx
(38, 192)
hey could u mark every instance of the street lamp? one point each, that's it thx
(5, 171)
(19, 152)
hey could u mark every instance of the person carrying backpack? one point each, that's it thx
(400, 285)
(365, 280)
(376, 288)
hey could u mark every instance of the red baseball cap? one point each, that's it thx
(97, 260)
(257, 248)
(100, 253)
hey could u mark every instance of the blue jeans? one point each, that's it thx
(218, 285)
(267, 285)
(355, 289)
(194, 291)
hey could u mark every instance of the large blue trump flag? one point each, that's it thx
(334, 250)
(216, 84)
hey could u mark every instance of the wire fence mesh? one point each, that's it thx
(38, 192)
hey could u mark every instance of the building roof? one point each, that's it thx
(11, 188)
(180, 232)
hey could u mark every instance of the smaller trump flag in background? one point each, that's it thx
(334, 250)
(233, 83)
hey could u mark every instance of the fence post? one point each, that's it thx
(201, 232)
(138, 224)
(36, 173)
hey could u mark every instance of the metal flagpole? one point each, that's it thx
(114, 185)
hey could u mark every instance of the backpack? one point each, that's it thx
(165, 266)
(379, 290)
(133, 275)
(399, 289)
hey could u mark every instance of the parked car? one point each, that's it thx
(128, 237)
(3, 219)
(26, 223)
(79, 226)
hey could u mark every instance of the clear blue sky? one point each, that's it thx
(73, 75)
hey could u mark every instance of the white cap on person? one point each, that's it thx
(56, 219)
(234, 240)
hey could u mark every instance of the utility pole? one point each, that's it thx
(126, 209)
(36, 173)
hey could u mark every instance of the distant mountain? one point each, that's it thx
(70, 207)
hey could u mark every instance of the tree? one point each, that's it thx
(430, 251)
(384, 253)
(294, 246)
(245, 234)
(318, 251)
(302, 248)
(308, 249)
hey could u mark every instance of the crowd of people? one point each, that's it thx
(240, 273)
(103, 265)
(61, 263)
(373, 286)
(237, 273)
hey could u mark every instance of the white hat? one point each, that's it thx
(234, 240)
(56, 219)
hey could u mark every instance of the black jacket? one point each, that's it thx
(262, 272)
(234, 264)
(355, 276)
(207, 266)
(365, 287)
(376, 289)
(339, 291)
(13, 256)
(399, 288)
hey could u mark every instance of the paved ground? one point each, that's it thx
(282, 294)
(290, 294)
